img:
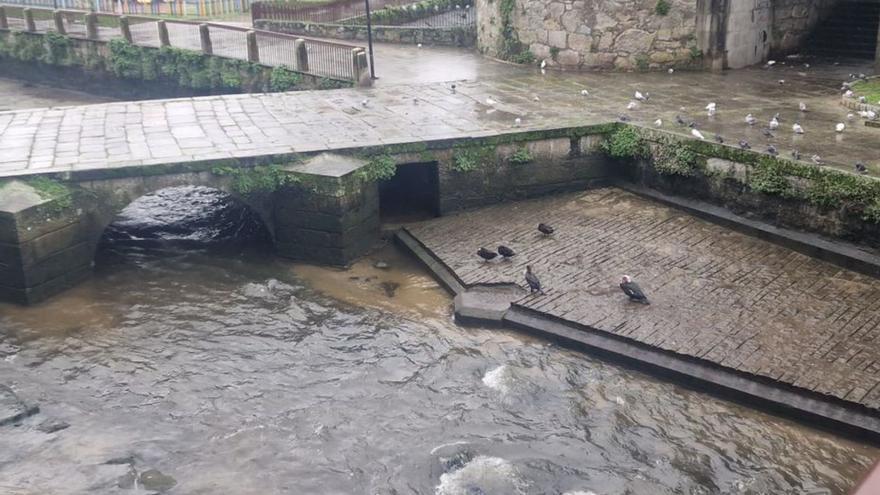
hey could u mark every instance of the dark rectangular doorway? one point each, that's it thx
(412, 194)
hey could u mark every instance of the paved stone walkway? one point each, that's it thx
(161, 131)
(716, 295)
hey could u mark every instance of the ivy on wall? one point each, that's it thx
(259, 179)
(510, 48)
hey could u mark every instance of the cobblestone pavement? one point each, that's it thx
(716, 294)
(160, 131)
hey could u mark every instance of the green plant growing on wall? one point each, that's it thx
(642, 62)
(509, 46)
(284, 79)
(59, 49)
(55, 191)
(521, 156)
(468, 159)
(662, 7)
(674, 158)
(554, 52)
(381, 167)
(626, 143)
(259, 179)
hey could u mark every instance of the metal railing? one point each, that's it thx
(439, 14)
(182, 8)
(310, 56)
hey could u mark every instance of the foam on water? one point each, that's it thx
(482, 476)
(500, 379)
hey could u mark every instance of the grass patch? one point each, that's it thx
(869, 89)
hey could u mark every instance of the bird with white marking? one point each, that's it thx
(658, 123)
(517, 121)
(584, 92)
(711, 107)
(365, 103)
(751, 120)
(840, 127)
(631, 106)
(816, 159)
(774, 124)
(797, 129)
(641, 97)
(850, 116)
(697, 134)
(491, 102)
(671, 70)
(802, 106)
(848, 94)
(544, 63)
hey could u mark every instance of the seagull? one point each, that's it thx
(774, 124)
(861, 168)
(419, 45)
(584, 92)
(850, 117)
(711, 107)
(544, 63)
(772, 151)
(658, 123)
(771, 63)
(517, 121)
(796, 154)
(641, 97)
(840, 127)
(536, 98)
(816, 159)
(632, 105)
(719, 139)
(751, 120)
(491, 102)
(545, 229)
(486, 254)
(802, 106)
(797, 129)
(506, 252)
(744, 144)
(532, 281)
(632, 290)
(671, 70)
(365, 102)
(697, 134)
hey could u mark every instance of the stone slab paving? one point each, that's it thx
(716, 294)
(121, 134)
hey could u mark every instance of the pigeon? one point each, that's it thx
(486, 254)
(623, 118)
(772, 151)
(719, 139)
(584, 92)
(670, 71)
(711, 111)
(797, 129)
(861, 168)
(641, 97)
(848, 94)
(744, 144)
(506, 252)
(751, 120)
(796, 154)
(850, 117)
(802, 106)
(816, 159)
(771, 63)
(632, 290)
(491, 102)
(532, 281)
(679, 120)
(658, 123)
(419, 45)
(781, 82)
(517, 121)
(631, 106)
(774, 124)
(711, 107)
(452, 88)
(863, 99)
(871, 115)
(840, 127)
(544, 63)
(365, 103)
(697, 134)
(545, 229)
(536, 98)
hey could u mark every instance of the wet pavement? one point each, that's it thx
(717, 295)
(218, 127)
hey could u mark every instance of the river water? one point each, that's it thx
(194, 352)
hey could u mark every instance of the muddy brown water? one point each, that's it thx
(237, 372)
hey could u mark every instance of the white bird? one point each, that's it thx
(491, 102)
(419, 45)
(710, 106)
(802, 106)
(639, 96)
(840, 127)
(781, 82)
(536, 98)
(697, 134)
(816, 159)
(848, 94)
(671, 70)
(850, 117)
(632, 105)
(871, 115)
(771, 63)
(751, 120)
(517, 121)
(365, 102)
(658, 123)
(584, 92)
(774, 124)
(797, 129)
(544, 63)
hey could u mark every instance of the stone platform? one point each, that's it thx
(723, 303)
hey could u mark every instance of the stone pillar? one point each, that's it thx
(205, 39)
(29, 20)
(362, 69)
(4, 23)
(125, 29)
(58, 17)
(253, 50)
(301, 55)
(164, 40)
(332, 218)
(43, 249)
(712, 32)
(91, 20)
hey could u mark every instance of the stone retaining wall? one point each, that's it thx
(390, 34)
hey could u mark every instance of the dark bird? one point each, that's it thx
(506, 252)
(772, 150)
(679, 120)
(861, 168)
(486, 254)
(632, 290)
(719, 139)
(796, 154)
(452, 88)
(744, 144)
(623, 118)
(693, 124)
(545, 229)
(767, 133)
(532, 280)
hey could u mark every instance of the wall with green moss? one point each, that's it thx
(134, 71)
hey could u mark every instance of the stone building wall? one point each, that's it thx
(793, 20)
(611, 34)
